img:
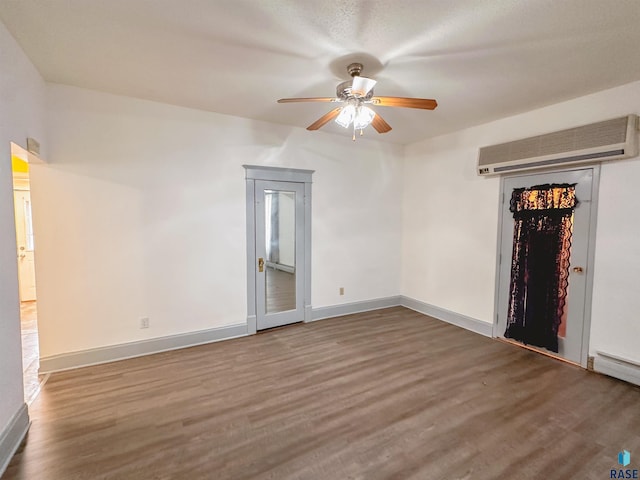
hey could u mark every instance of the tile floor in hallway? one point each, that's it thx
(30, 350)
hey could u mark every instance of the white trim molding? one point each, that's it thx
(469, 323)
(112, 353)
(259, 172)
(12, 436)
(617, 367)
(457, 319)
(332, 311)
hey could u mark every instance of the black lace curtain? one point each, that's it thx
(543, 217)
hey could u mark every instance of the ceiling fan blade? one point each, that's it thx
(380, 125)
(362, 85)
(424, 103)
(327, 117)
(312, 99)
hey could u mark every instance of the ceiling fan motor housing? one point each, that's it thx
(344, 89)
(343, 92)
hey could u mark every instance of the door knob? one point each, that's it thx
(578, 269)
(21, 248)
(22, 255)
(261, 264)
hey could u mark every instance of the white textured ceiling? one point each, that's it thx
(481, 60)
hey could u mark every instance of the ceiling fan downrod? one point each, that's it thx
(354, 69)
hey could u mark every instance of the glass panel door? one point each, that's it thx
(279, 242)
(543, 269)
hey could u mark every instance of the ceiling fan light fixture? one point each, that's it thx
(363, 118)
(346, 116)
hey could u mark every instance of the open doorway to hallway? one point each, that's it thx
(25, 253)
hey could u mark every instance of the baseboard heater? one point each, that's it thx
(618, 367)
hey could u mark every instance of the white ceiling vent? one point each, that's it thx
(608, 140)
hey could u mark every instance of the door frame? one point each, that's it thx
(591, 249)
(253, 173)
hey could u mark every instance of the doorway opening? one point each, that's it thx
(25, 253)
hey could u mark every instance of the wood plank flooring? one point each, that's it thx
(389, 394)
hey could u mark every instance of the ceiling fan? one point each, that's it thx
(356, 94)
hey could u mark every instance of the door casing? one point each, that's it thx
(591, 239)
(254, 173)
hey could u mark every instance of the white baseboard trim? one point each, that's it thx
(617, 367)
(95, 356)
(477, 326)
(12, 436)
(322, 313)
(252, 324)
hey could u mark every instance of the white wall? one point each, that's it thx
(141, 212)
(450, 220)
(21, 115)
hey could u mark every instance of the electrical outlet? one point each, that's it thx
(341, 290)
(144, 322)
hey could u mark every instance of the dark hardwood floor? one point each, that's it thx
(389, 394)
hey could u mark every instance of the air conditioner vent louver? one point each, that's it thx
(607, 140)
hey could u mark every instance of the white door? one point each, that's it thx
(532, 282)
(279, 208)
(24, 241)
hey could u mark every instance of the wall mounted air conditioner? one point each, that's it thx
(608, 140)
